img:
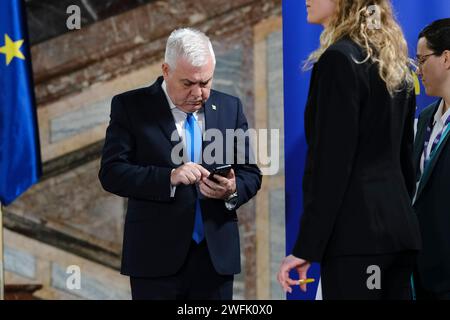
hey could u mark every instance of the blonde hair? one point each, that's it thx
(384, 44)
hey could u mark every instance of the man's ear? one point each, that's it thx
(446, 54)
(165, 69)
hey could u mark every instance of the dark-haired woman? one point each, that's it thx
(432, 158)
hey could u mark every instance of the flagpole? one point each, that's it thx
(2, 273)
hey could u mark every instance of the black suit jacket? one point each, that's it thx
(433, 209)
(359, 176)
(137, 163)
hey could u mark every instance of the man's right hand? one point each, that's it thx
(188, 173)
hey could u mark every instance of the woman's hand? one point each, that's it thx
(289, 263)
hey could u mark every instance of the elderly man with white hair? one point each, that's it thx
(181, 238)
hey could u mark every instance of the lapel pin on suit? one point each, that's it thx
(214, 107)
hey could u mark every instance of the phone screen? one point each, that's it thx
(222, 171)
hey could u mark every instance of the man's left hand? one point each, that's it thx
(224, 187)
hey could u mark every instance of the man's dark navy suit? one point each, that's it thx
(137, 163)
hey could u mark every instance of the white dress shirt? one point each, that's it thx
(180, 120)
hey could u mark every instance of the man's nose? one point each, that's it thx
(196, 91)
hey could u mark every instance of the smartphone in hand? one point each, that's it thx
(221, 171)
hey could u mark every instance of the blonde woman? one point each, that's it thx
(358, 221)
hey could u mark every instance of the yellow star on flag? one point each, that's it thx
(12, 49)
(416, 83)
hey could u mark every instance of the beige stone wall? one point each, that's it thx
(268, 82)
(67, 218)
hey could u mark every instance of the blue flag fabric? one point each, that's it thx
(20, 164)
(299, 40)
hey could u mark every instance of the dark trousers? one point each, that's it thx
(354, 277)
(425, 294)
(196, 280)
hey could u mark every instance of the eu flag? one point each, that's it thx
(20, 164)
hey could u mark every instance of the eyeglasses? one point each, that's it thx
(420, 60)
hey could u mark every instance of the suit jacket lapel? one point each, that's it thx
(427, 171)
(419, 141)
(211, 112)
(165, 118)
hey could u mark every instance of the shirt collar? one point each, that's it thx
(439, 116)
(446, 114)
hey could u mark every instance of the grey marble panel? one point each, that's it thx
(20, 262)
(91, 288)
(227, 76)
(275, 89)
(75, 122)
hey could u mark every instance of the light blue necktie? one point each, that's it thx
(194, 149)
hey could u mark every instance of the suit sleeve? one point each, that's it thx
(407, 149)
(248, 175)
(335, 139)
(118, 172)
